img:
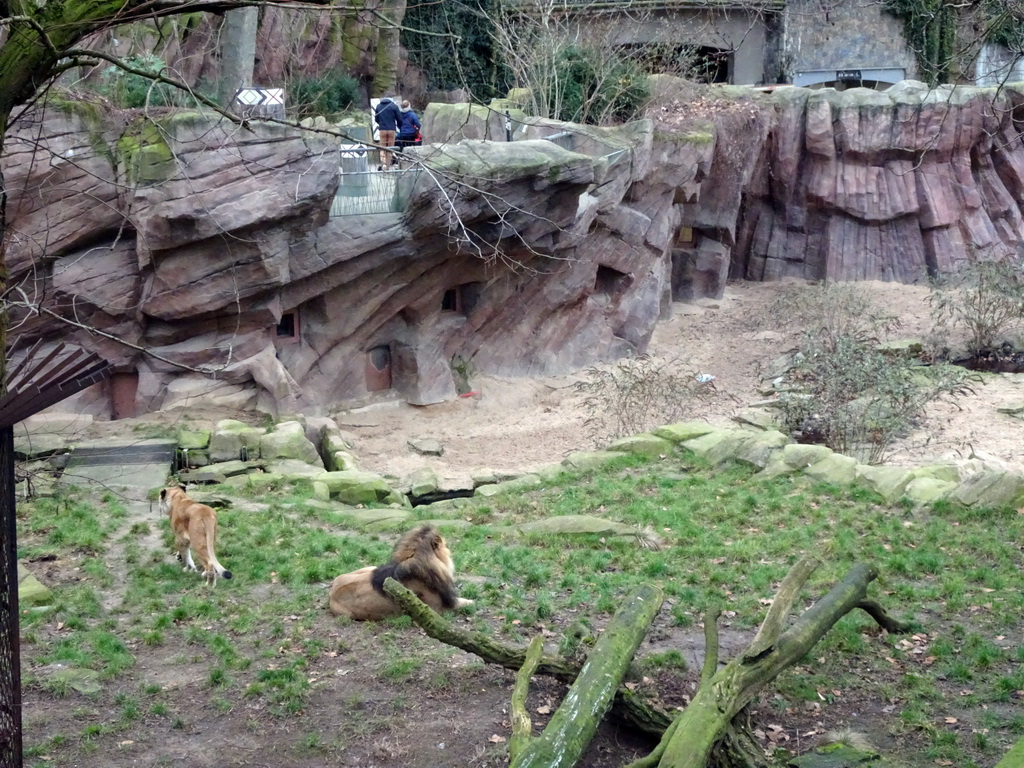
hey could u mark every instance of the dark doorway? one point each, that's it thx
(123, 390)
(378, 369)
(610, 281)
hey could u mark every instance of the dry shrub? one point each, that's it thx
(986, 298)
(844, 390)
(640, 393)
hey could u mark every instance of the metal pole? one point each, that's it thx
(508, 126)
(10, 653)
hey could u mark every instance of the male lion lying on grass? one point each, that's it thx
(420, 561)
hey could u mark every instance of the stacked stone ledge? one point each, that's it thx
(286, 453)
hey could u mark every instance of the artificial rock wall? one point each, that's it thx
(210, 246)
(894, 185)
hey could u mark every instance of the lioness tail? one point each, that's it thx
(223, 572)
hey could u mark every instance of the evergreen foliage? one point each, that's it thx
(327, 94)
(594, 83)
(464, 55)
(930, 29)
(131, 91)
(1004, 28)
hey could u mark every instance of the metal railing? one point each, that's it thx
(563, 139)
(568, 140)
(364, 191)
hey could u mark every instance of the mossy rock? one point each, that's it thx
(341, 460)
(799, 456)
(356, 486)
(446, 523)
(683, 431)
(577, 524)
(551, 472)
(948, 472)
(644, 444)
(257, 480)
(1014, 758)
(31, 591)
(85, 681)
(989, 489)
(715, 446)
(584, 460)
(288, 441)
(838, 756)
(445, 505)
(378, 519)
(760, 448)
(835, 469)
(294, 469)
(193, 440)
(233, 468)
(758, 418)
(925, 490)
(422, 481)
(888, 482)
(146, 157)
(524, 483)
(230, 437)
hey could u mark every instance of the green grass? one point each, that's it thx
(727, 539)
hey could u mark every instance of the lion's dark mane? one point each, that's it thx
(415, 558)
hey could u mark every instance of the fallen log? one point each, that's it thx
(714, 732)
(629, 705)
(522, 726)
(575, 722)
(705, 721)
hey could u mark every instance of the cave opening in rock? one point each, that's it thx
(378, 368)
(610, 281)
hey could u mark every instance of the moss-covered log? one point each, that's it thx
(574, 724)
(704, 723)
(629, 705)
(522, 726)
(1014, 758)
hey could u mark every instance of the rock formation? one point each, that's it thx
(209, 248)
(894, 185)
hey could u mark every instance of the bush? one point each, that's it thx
(131, 91)
(326, 95)
(843, 389)
(638, 394)
(984, 297)
(592, 85)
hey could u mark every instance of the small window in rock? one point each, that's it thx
(452, 300)
(288, 327)
(610, 281)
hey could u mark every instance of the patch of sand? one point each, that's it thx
(517, 425)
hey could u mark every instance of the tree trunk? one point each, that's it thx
(237, 53)
(385, 64)
(566, 737)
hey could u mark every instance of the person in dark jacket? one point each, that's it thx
(408, 128)
(387, 116)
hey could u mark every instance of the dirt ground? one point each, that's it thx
(453, 711)
(516, 425)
